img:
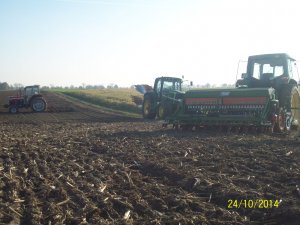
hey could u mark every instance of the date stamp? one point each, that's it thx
(253, 204)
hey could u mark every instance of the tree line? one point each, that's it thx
(6, 86)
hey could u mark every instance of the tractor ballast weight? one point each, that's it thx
(267, 97)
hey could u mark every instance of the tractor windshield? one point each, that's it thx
(174, 85)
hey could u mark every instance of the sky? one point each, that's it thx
(127, 42)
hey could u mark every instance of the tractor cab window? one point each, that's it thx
(256, 71)
(293, 71)
(158, 87)
(172, 85)
(278, 71)
(35, 90)
(267, 71)
(28, 91)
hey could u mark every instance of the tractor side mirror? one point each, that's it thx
(244, 75)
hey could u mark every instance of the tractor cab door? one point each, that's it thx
(158, 88)
(165, 86)
(29, 92)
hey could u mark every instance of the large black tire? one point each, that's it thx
(13, 109)
(164, 109)
(38, 104)
(148, 108)
(289, 101)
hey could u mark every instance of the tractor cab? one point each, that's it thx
(269, 70)
(165, 92)
(163, 86)
(29, 91)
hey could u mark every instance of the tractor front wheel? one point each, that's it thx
(13, 109)
(164, 110)
(38, 105)
(148, 111)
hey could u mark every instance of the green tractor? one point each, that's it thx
(161, 100)
(266, 98)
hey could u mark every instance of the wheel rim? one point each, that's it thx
(39, 105)
(13, 110)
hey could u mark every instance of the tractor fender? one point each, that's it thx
(293, 82)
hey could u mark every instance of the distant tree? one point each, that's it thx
(227, 85)
(109, 86)
(45, 88)
(18, 85)
(206, 85)
(4, 86)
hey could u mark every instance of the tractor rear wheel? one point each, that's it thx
(290, 100)
(38, 104)
(13, 109)
(148, 111)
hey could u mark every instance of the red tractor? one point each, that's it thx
(29, 97)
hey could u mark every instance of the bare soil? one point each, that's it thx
(75, 164)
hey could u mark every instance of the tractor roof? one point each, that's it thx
(170, 78)
(32, 86)
(274, 55)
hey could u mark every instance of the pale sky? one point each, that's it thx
(70, 42)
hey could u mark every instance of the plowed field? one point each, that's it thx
(77, 165)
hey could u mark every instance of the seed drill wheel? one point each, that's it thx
(280, 124)
(38, 104)
(148, 108)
